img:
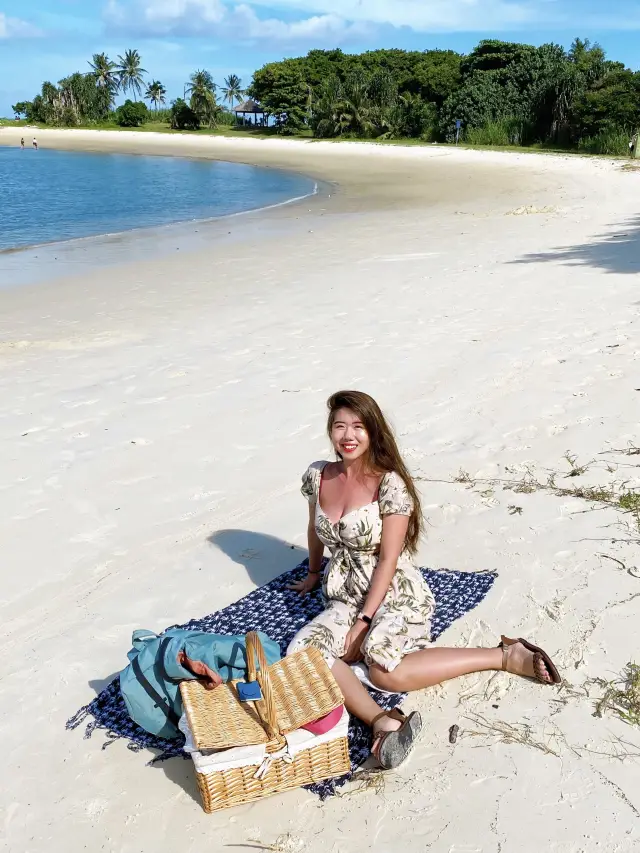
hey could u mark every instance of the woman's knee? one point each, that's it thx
(295, 645)
(383, 679)
(302, 641)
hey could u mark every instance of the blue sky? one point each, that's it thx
(48, 39)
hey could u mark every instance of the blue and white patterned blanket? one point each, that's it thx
(280, 613)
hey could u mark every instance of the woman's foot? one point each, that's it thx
(394, 736)
(523, 658)
(380, 727)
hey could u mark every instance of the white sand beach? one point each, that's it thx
(156, 417)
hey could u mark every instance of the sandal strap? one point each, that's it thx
(395, 713)
(398, 714)
(541, 663)
(505, 644)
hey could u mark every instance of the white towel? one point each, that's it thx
(210, 760)
(362, 671)
(220, 759)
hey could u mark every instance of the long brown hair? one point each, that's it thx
(383, 455)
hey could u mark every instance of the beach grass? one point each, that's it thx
(621, 696)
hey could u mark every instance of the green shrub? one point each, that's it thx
(226, 119)
(22, 109)
(68, 118)
(162, 115)
(507, 131)
(183, 117)
(132, 114)
(610, 142)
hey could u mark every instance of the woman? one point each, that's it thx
(365, 509)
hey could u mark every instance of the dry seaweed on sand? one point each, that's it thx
(621, 696)
(286, 843)
(509, 733)
(370, 779)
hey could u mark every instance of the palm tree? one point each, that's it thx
(155, 94)
(70, 101)
(352, 110)
(130, 72)
(358, 106)
(355, 109)
(104, 71)
(232, 89)
(200, 81)
(203, 97)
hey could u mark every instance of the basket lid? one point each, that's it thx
(299, 689)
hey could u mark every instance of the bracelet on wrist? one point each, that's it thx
(366, 619)
(314, 571)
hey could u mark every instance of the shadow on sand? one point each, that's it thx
(98, 684)
(264, 557)
(615, 252)
(180, 771)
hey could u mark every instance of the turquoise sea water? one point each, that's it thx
(47, 196)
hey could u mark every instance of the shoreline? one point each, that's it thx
(356, 177)
(320, 160)
(404, 143)
(143, 230)
(156, 416)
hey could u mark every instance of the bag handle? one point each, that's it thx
(255, 652)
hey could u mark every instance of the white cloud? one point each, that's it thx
(317, 29)
(165, 17)
(14, 28)
(424, 15)
(332, 22)
(480, 16)
(215, 18)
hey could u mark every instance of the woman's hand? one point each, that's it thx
(307, 585)
(353, 643)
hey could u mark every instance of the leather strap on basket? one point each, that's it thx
(255, 652)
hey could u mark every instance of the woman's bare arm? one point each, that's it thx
(316, 548)
(316, 553)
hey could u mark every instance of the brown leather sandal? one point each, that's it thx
(541, 660)
(394, 747)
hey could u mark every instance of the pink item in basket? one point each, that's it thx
(325, 724)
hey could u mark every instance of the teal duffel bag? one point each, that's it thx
(149, 685)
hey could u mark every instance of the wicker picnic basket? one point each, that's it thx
(297, 690)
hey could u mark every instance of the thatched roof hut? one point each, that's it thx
(249, 107)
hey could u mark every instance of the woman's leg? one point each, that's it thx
(359, 702)
(356, 696)
(433, 666)
(327, 632)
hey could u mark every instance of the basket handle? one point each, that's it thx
(255, 652)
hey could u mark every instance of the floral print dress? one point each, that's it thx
(402, 623)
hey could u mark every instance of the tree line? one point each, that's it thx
(501, 93)
(90, 97)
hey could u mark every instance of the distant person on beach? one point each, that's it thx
(633, 144)
(22, 142)
(365, 509)
(35, 143)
